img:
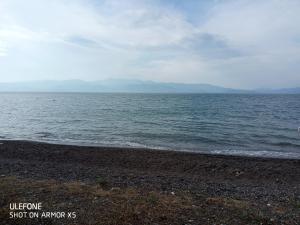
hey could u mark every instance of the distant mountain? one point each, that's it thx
(114, 85)
(280, 91)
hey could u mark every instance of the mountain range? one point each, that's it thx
(126, 86)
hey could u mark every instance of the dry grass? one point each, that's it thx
(93, 204)
(129, 206)
(228, 202)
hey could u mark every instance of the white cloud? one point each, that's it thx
(257, 26)
(265, 32)
(239, 43)
(180, 69)
(135, 25)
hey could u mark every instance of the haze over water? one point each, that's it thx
(236, 124)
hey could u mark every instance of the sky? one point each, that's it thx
(231, 43)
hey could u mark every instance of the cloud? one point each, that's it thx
(130, 25)
(180, 69)
(239, 43)
(265, 32)
(255, 24)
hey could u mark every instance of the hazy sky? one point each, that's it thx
(233, 43)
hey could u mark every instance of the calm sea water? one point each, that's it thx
(263, 125)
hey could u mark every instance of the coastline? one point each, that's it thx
(264, 154)
(260, 189)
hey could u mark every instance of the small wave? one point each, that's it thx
(286, 144)
(272, 154)
(126, 144)
(45, 134)
(146, 123)
(264, 153)
(138, 145)
(71, 121)
(281, 136)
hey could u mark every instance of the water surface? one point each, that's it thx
(263, 125)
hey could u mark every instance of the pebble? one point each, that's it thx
(115, 189)
(239, 173)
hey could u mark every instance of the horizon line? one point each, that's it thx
(152, 81)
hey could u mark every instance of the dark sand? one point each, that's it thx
(137, 186)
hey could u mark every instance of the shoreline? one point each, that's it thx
(209, 189)
(236, 153)
(131, 158)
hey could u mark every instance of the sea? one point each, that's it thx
(231, 124)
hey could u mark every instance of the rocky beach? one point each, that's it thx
(140, 186)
